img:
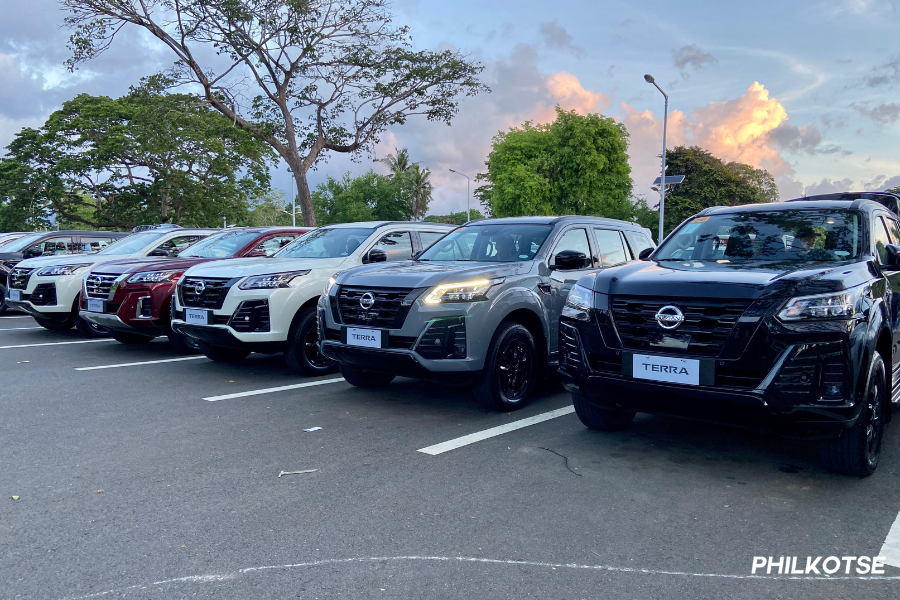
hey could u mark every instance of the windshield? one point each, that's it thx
(134, 243)
(19, 244)
(787, 235)
(221, 245)
(489, 243)
(333, 242)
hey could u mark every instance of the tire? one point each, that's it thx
(510, 369)
(366, 380)
(182, 343)
(3, 305)
(222, 354)
(302, 354)
(55, 325)
(601, 419)
(857, 450)
(131, 339)
(90, 330)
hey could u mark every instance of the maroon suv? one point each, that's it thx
(132, 298)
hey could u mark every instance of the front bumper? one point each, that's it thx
(49, 297)
(216, 335)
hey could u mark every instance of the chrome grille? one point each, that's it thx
(99, 286)
(18, 279)
(204, 292)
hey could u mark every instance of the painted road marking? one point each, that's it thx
(274, 389)
(54, 344)
(19, 328)
(495, 431)
(136, 364)
(891, 548)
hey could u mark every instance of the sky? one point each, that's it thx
(807, 90)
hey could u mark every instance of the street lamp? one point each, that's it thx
(468, 211)
(662, 188)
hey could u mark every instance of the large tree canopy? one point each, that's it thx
(306, 76)
(709, 181)
(372, 197)
(148, 157)
(575, 165)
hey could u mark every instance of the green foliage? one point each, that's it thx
(455, 218)
(575, 165)
(148, 157)
(895, 190)
(709, 181)
(372, 197)
(269, 209)
(413, 181)
(644, 216)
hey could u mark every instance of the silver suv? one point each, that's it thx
(481, 305)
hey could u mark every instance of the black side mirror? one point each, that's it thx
(375, 255)
(893, 258)
(159, 252)
(32, 252)
(569, 260)
(645, 253)
(417, 254)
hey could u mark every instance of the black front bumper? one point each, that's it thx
(218, 336)
(402, 364)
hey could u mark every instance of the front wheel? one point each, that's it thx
(302, 354)
(131, 339)
(509, 369)
(53, 325)
(601, 419)
(3, 305)
(365, 379)
(856, 452)
(222, 354)
(90, 330)
(182, 343)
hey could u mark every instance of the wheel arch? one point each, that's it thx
(529, 319)
(311, 303)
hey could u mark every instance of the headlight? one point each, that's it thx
(276, 280)
(470, 291)
(61, 270)
(579, 303)
(839, 305)
(331, 281)
(154, 276)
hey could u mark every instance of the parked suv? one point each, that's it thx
(48, 288)
(889, 200)
(480, 306)
(132, 298)
(782, 316)
(48, 243)
(243, 305)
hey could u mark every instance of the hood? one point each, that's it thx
(760, 280)
(245, 267)
(141, 265)
(10, 256)
(66, 259)
(415, 274)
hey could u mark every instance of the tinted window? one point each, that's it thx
(430, 237)
(610, 250)
(220, 245)
(58, 245)
(882, 239)
(328, 242)
(637, 241)
(175, 245)
(274, 244)
(577, 241)
(490, 243)
(397, 245)
(95, 244)
(133, 243)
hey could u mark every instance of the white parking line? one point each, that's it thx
(137, 364)
(495, 431)
(274, 389)
(891, 548)
(54, 344)
(19, 328)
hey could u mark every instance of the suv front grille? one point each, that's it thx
(707, 323)
(387, 311)
(98, 286)
(211, 295)
(569, 349)
(18, 279)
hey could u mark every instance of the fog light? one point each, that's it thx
(832, 390)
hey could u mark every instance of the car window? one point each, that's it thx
(610, 250)
(430, 237)
(577, 241)
(882, 239)
(327, 242)
(133, 243)
(95, 244)
(274, 244)
(490, 242)
(175, 245)
(220, 245)
(58, 245)
(638, 242)
(397, 245)
(893, 228)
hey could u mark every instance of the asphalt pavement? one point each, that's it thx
(142, 481)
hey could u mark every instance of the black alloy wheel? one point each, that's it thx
(302, 354)
(515, 369)
(510, 369)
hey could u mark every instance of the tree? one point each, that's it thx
(148, 157)
(323, 75)
(372, 197)
(269, 208)
(417, 188)
(575, 165)
(398, 163)
(709, 181)
(455, 218)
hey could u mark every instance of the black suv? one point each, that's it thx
(778, 316)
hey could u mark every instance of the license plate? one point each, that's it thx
(197, 316)
(666, 368)
(358, 336)
(96, 305)
(15, 295)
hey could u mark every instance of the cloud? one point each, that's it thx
(883, 113)
(834, 121)
(890, 184)
(885, 74)
(566, 90)
(691, 56)
(826, 186)
(556, 36)
(797, 139)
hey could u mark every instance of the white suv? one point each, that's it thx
(237, 306)
(48, 288)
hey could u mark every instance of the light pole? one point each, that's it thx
(662, 187)
(468, 211)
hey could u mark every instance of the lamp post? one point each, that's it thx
(468, 210)
(662, 187)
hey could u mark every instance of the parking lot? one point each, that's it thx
(157, 476)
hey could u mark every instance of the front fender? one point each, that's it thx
(518, 298)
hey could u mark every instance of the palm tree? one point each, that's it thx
(419, 188)
(397, 163)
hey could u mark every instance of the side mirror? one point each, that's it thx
(417, 254)
(569, 260)
(159, 252)
(893, 258)
(32, 252)
(256, 254)
(375, 255)
(645, 253)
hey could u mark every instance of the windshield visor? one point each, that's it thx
(334, 242)
(489, 243)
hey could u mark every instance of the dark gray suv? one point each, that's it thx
(480, 306)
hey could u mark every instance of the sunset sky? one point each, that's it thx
(807, 90)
